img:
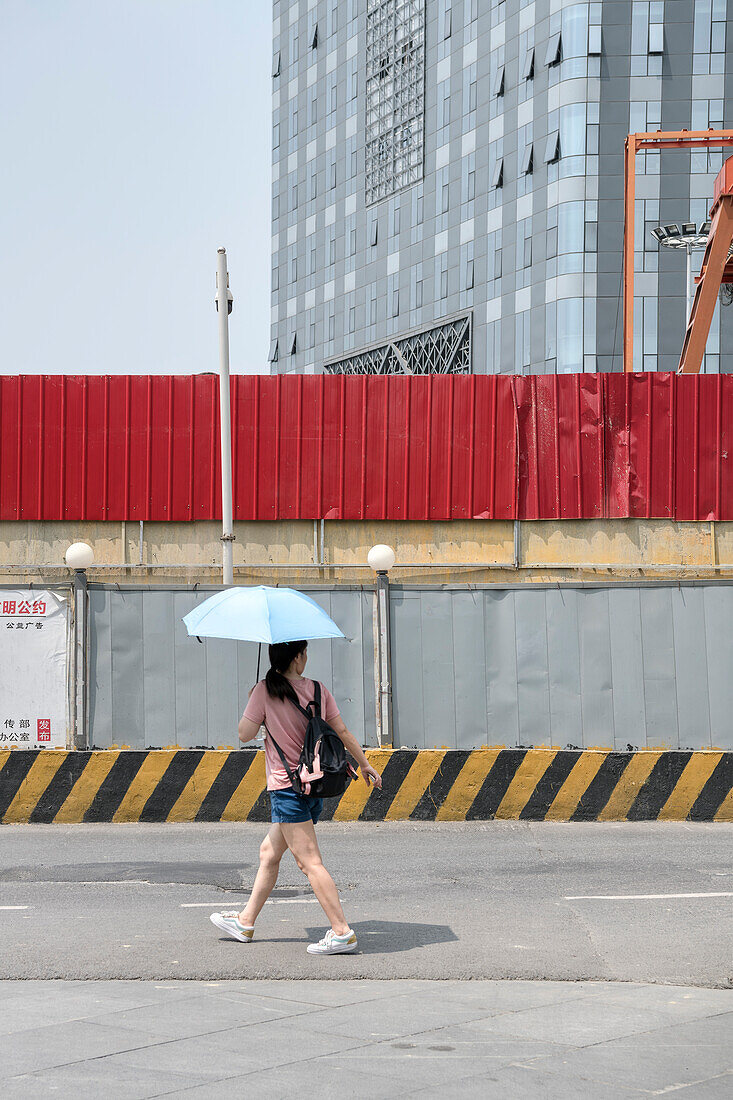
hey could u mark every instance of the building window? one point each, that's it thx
(528, 65)
(332, 93)
(293, 343)
(527, 164)
(709, 33)
(272, 357)
(594, 40)
(656, 38)
(498, 87)
(314, 38)
(374, 232)
(444, 104)
(522, 343)
(276, 64)
(552, 147)
(497, 176)
(554, 50)
(395, 95)
(447, 23)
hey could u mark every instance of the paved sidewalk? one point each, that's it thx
(549, 1040)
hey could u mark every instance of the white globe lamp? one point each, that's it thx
(381, 558)
(79, 556)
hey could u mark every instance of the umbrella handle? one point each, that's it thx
(259, 654)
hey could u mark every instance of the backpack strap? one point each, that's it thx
(315, 703)
(291, 775)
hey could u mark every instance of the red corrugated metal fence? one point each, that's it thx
(427, 448)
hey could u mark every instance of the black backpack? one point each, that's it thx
(324, 770)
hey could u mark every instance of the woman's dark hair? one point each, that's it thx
(282, 656)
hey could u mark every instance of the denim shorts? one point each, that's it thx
(287, 806)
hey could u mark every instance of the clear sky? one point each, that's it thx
(135, 140)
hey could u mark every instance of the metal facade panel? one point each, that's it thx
(563, 653)
(100, 670)
(533, 681)
(627, 669)
(408, 705)
(128, 688)
(660, 692)
(469, 669)
(501, 668)
(596, 675)
(718, 605)
(158, 680)
(691, 668)
(439, 688)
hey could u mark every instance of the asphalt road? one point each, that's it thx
(481, 900)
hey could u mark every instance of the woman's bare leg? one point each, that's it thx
(272, 849)
(300, 837)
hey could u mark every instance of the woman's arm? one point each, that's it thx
(247, 730)
(352, 745)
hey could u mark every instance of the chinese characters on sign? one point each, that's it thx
(34, 664)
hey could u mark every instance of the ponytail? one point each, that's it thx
(282, 655)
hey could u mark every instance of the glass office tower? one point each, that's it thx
(448, 181)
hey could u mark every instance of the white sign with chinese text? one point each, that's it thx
(33, 669)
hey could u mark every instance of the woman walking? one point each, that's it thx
(275, 703)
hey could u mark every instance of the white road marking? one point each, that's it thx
(14, 906)
(272, 901)
(642, 897)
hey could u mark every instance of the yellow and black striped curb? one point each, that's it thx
(46, 786)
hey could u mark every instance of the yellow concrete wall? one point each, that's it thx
(478, 551)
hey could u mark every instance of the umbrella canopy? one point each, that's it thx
(261, 614)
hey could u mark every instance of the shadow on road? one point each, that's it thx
(387, 936)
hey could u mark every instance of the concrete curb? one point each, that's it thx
(46, 786)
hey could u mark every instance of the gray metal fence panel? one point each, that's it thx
(563, 651)
(152, 685)
(627, 667)
(715, 645)
(641, 665)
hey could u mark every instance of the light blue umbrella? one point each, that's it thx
(261, 614)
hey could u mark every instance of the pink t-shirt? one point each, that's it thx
(286, 724)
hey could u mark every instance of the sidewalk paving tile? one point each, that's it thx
(676, 1055)
(62, 1044)
(202, 1013)
(92, 1080)
(582, 1022)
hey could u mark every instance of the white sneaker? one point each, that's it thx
(331, 944)
(229, 923)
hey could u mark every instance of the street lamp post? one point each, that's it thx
(225, 422)
(79, 557)
(689, 238)
(381, 559)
